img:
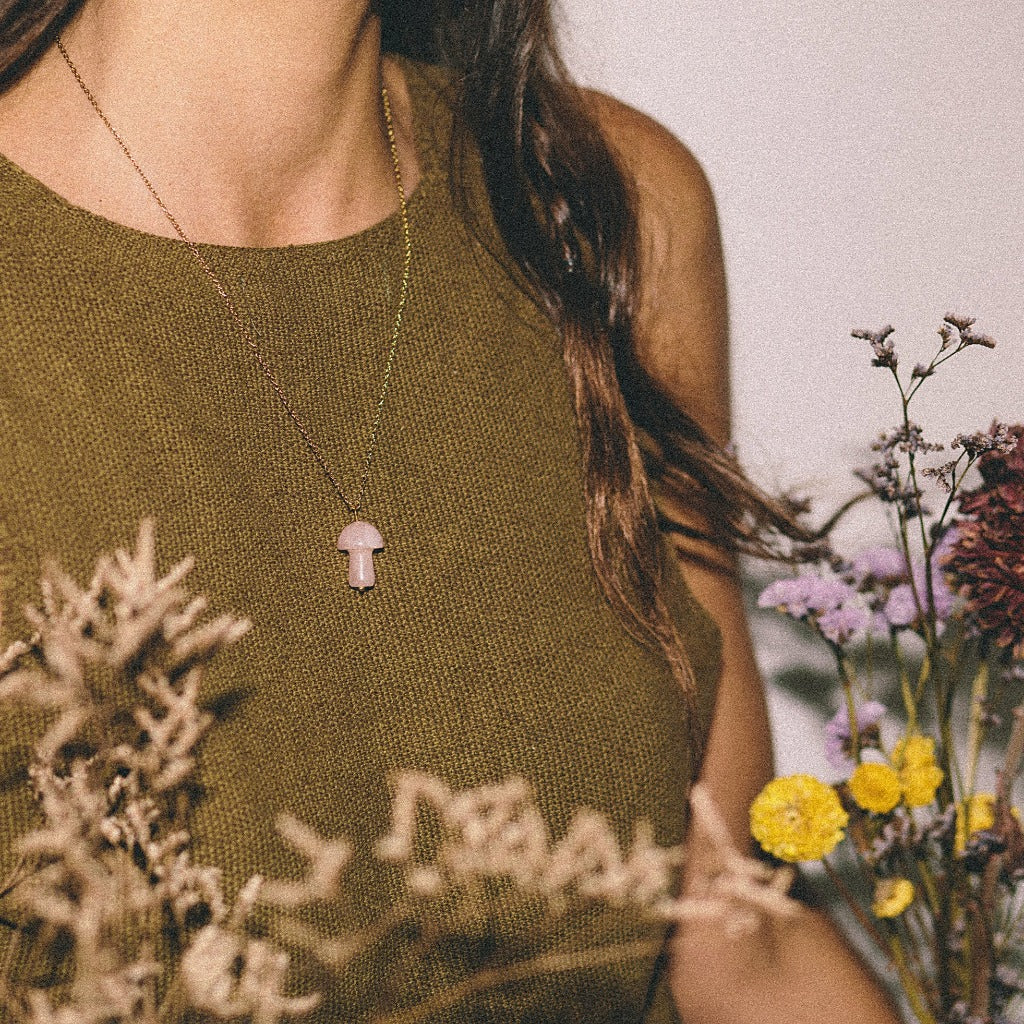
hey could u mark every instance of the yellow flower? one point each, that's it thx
(798, 818)
(914, 752)
(875, 787)
(920, 776)
(920, 784)
(981, 814)
(892, 897)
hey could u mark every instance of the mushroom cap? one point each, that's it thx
(360, 535)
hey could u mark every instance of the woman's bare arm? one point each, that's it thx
(799, 972)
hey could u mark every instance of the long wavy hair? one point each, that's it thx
(566, 213)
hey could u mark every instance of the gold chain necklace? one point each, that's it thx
(360, 539)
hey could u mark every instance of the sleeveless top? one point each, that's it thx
(485, 650)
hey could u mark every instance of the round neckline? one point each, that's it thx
(139, 237)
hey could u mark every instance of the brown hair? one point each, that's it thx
(566, 215)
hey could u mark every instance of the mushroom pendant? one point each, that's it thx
(360, 540)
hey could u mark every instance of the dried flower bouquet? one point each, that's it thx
(149, 936)
(934, 836)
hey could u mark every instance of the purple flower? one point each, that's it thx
(945, 546)
(838, 737)
(941, 593)
(884, 564)
(789, 596)
(842, 623)
(901, 608)
(800, 596)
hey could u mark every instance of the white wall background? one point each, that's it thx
(868, 161)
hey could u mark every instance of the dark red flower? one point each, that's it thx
(987, 560)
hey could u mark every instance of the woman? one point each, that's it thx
(409, 369)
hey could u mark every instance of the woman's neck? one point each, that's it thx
(259, 123)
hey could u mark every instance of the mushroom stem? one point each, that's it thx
(360, 569)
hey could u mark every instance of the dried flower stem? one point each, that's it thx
(887, 945)
(110, 868)
(980, 913)
(848, 677)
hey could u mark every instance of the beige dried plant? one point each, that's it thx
(109, 870)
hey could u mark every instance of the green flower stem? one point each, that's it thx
(949, 764)
(924, 675)
(925, 609)
(910, 699)
(924, 872)
(918, 866)
(1014, 756)
(976, 732)
(925, 914)
(917, 999)
(904, 538)
(848, 677)
(923, 926)
(853, 903)
(911, 928)
(944, 691)
(889, 946)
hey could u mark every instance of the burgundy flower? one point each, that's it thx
(987, 560)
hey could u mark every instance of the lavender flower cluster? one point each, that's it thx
(874, 592)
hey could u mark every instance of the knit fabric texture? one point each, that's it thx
(485, 650)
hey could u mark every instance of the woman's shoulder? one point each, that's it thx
(661, 165)
(681, 336)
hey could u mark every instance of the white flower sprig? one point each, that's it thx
(498, 831)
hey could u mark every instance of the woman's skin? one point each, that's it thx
(260, 124)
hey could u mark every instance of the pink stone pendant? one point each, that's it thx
(360, 540)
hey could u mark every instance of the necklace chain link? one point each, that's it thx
(354, 507)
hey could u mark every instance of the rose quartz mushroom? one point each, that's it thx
(360, 540)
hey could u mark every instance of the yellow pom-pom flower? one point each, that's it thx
(876, 787)
(920, 784)
(892, 897)
(920, 776)
(914, 751)
(798, 818)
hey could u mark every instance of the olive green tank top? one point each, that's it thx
(485, 650)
